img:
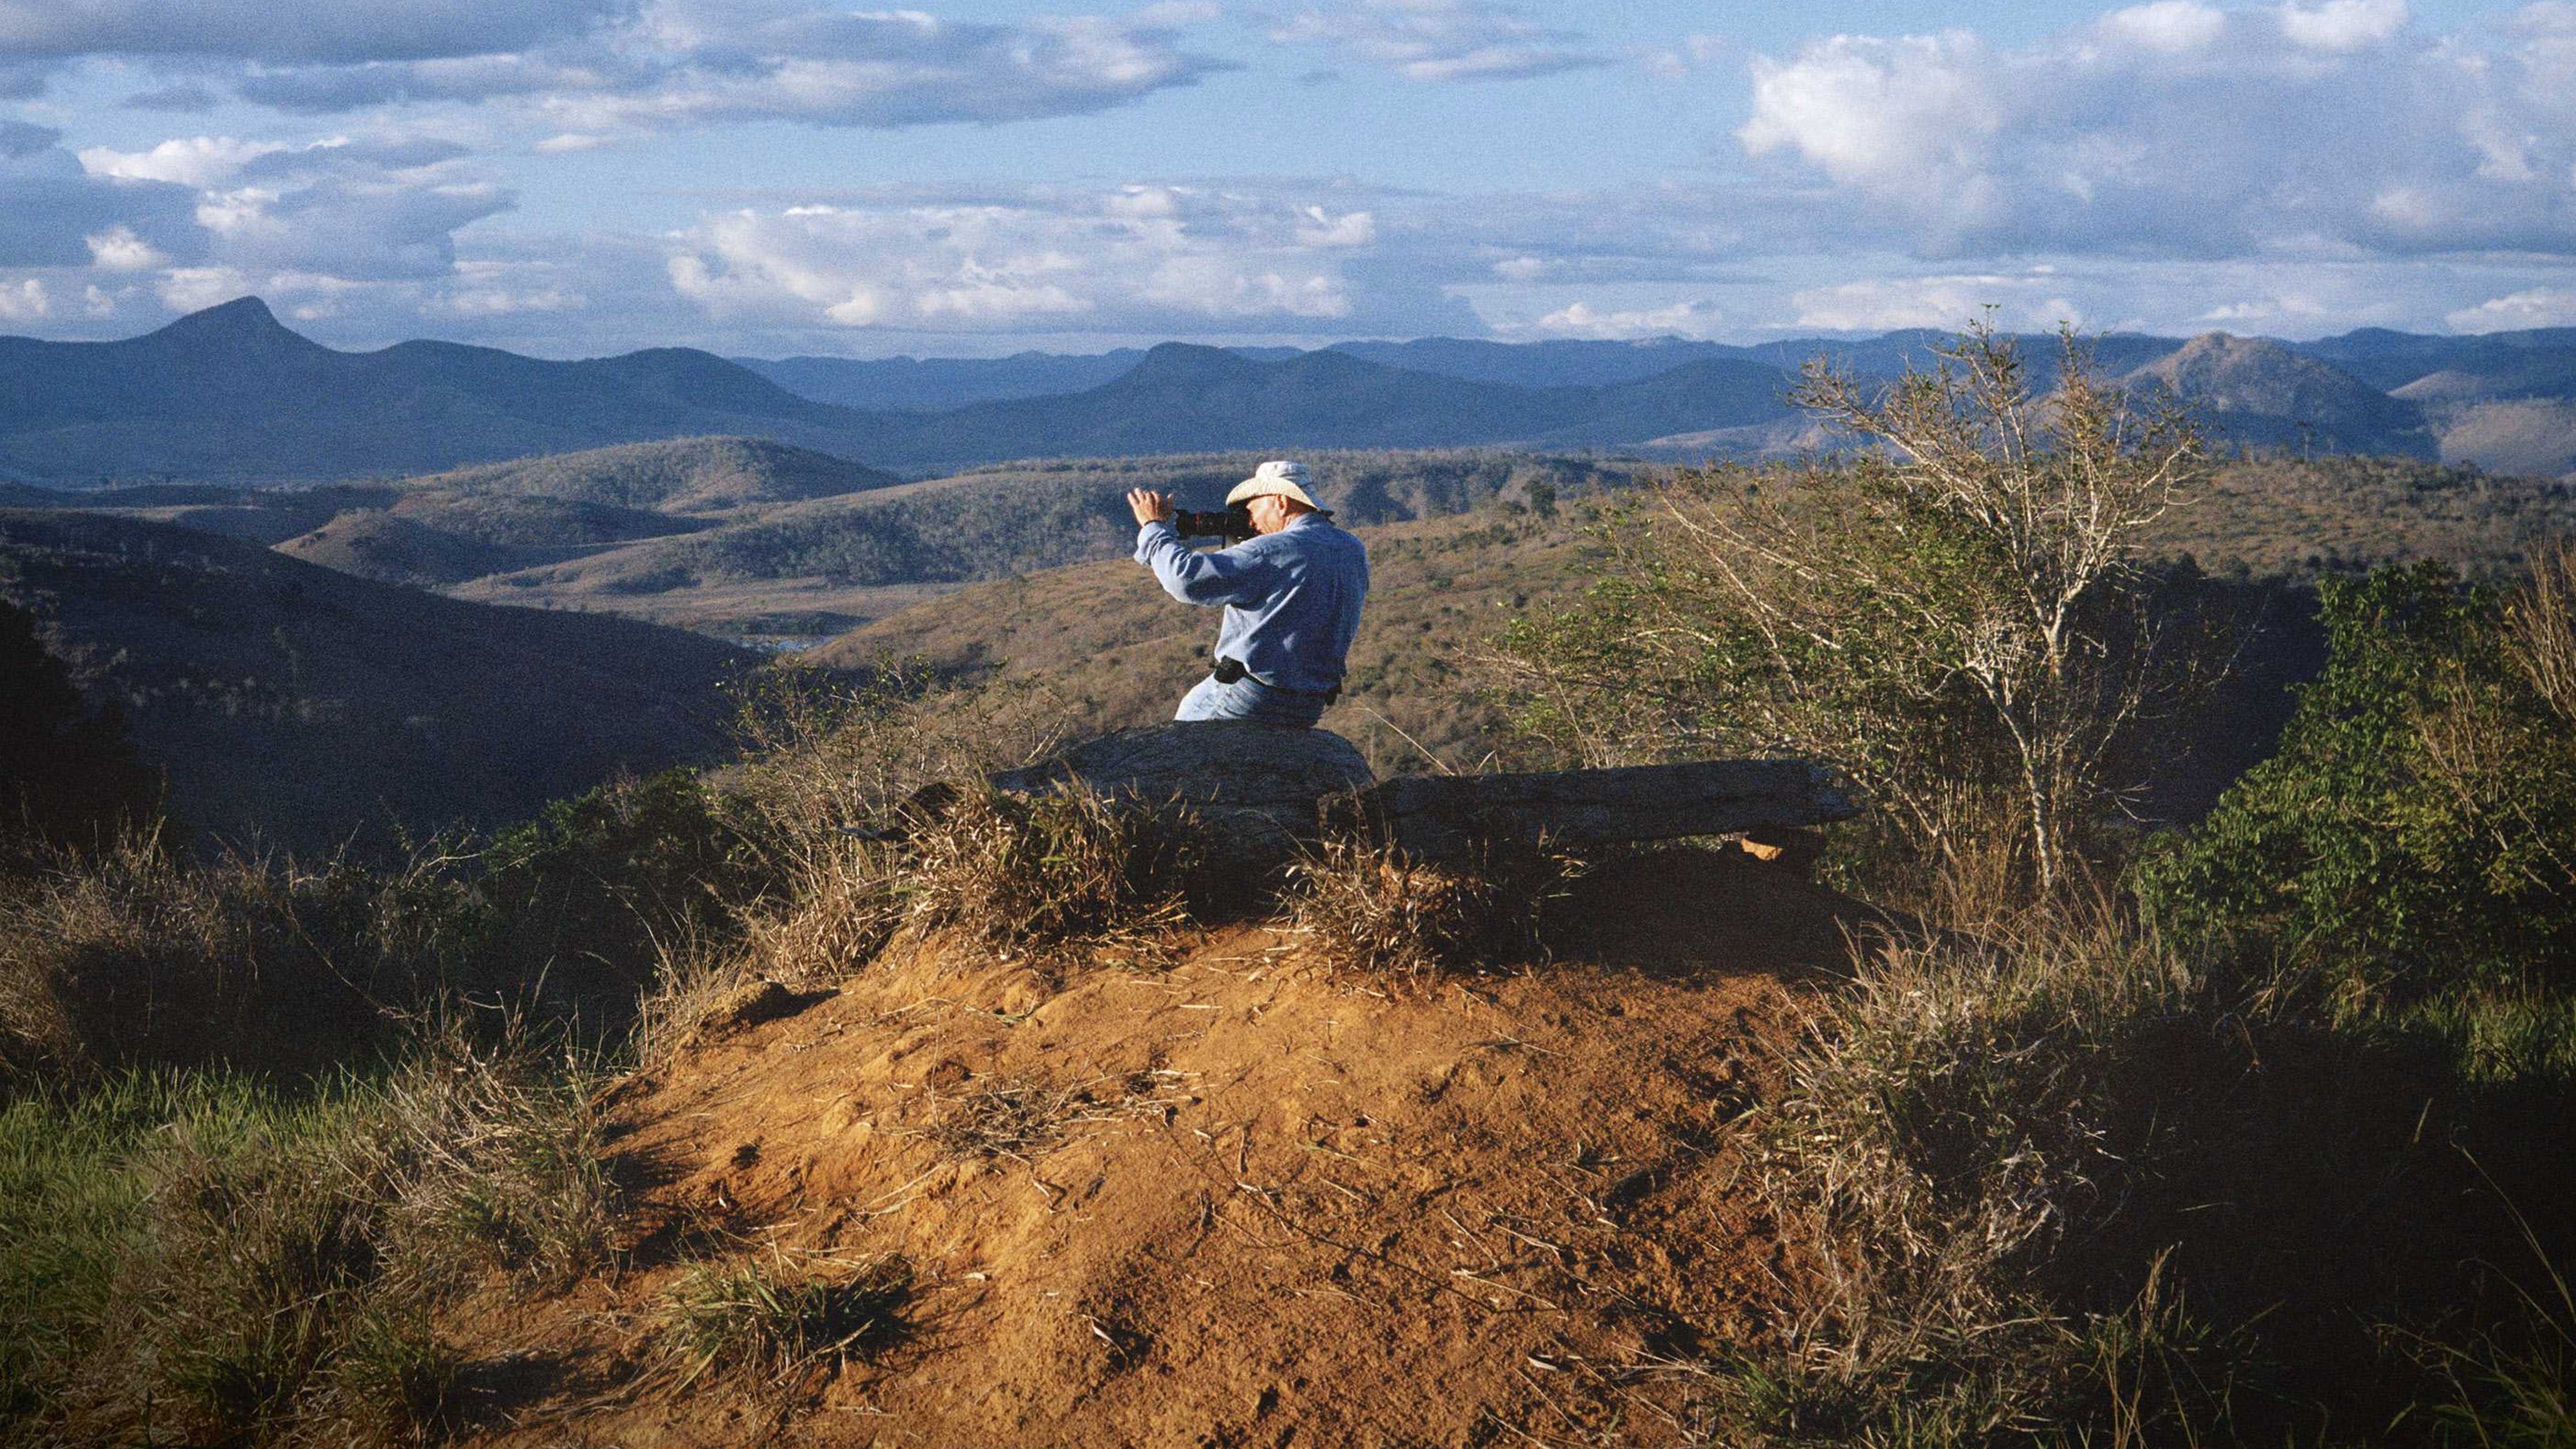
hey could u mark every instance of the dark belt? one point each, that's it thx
(1229, 671)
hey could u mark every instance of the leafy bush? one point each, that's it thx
(2416, 832)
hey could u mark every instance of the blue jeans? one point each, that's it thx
(1253, 700)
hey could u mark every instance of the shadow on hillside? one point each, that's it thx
(1684, 913)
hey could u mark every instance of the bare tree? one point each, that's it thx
(1957, 611)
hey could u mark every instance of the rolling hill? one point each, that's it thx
(1182, 399)
(297, 704)
(449, 527)
(2261, 393)
(231, 394)
(831, 564)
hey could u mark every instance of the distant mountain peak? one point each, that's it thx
(239, 314)
(2262, 391)
(1187, 362)
(239, 323)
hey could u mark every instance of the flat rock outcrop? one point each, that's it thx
(1263, 790)
(1255, 785)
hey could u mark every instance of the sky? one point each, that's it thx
(575, 178)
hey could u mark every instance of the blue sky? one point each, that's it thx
(574, 177)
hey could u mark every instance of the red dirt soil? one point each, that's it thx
(1278, 1207)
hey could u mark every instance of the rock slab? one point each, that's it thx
(1441, 817)
(1255, 785)
(1264, 791)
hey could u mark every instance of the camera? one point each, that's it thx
(1228, 523)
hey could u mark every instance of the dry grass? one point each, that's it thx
(2515, 1388)
(134, 957)
(776, 1322)
(837, 782)
(1020, 1117)
(1945, 1129)
(822, 755)
(850, 906)
(1369, 910)
(1066, 867)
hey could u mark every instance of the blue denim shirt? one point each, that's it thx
(1292, 598)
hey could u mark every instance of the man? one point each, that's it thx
(1291, 594)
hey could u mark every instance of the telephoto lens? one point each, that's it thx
(1235, 522)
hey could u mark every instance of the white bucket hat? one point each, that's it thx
(1280, 478)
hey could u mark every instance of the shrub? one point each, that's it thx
(597, 881)
(2415, 836)
(1958, 613)
(2053, 1183)
(1946, 1126)
(1370, 910)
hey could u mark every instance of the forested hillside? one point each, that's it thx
(295, 705)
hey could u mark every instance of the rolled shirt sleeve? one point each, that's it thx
(1227, 576)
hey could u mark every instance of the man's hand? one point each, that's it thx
(1149, 506)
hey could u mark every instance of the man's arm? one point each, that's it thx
(1224, 577)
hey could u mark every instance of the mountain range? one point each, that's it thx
(232, 395)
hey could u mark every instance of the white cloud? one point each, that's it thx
(2341, 25)
(2173, 128)
(1436, 40)
(333, 207)
(118, 249)
(51, 205)
(1883, 304)
(695, 62)
(1132, 259)
(2175, 27)
(1321, 228)
(187, 161)
(1681, 319)
(2533, 307)
(25, 300)
(569, 142)
(192, 289)
(1883, 114)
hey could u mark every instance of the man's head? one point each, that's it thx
(1276, 494)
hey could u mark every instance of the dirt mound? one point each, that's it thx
(1231, 1201)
